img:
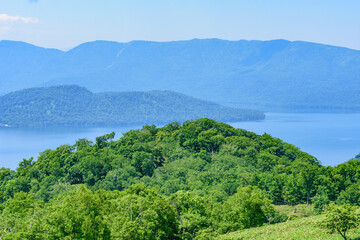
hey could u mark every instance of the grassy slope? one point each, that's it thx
(295, 212)
(302, 227)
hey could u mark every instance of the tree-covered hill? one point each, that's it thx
(72, 105)
(275, 75)
(195, 180)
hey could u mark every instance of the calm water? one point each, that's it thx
(19, 143)
(332, 138)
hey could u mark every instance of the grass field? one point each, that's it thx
(295, 212)
(301, 228)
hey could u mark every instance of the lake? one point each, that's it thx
(332, 138)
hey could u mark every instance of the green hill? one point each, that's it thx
(75, 106)
(197, 180)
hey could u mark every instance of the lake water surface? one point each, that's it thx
(332, 138)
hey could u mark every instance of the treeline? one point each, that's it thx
(194, 180)
(71, 105)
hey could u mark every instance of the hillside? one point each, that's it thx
(197, 180)
(76, 106)
(275, 75)
(305, 228)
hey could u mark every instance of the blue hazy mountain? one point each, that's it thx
(275, 75)
(71, 105)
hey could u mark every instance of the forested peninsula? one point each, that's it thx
(199, 179)
(71, 105)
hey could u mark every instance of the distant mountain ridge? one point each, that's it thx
(71, 105)
(275, 75)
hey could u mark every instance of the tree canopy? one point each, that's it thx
(181, 181)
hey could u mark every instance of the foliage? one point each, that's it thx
(141, 213)
(351, 195)
(341, 219)
(194, 180)
(137, 213)
(245, 209)
(320, 201)
(21, 217)
(76, 215)
(194, 213)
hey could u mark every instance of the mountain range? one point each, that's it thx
(276, 75)
(71, 105)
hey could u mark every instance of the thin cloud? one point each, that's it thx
(12, 19)
(4, 29)
(33, 1)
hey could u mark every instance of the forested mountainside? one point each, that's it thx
(195, 180)
(275, 75)
(72, 105)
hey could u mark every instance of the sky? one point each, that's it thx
(64, 24)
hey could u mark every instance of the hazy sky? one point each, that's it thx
(66, 23)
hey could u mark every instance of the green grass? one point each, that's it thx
(295, 212)
(304, 228)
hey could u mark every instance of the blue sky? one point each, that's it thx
(66, 23)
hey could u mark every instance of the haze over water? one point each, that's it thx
(332, 138)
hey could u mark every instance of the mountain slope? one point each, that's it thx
(72, 105)
(275, 75)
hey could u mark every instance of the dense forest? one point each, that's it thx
(195, 180)
(71, 105)
(276, 75)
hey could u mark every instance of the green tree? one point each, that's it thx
(292, 190)
(351, 195)
(143, 163)
(141, 213)
(341, 219)
(245, 209)
(308, 175)
(76, 215)
(21, 217)
(103, 141)
(321, 200)
(193, 213)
